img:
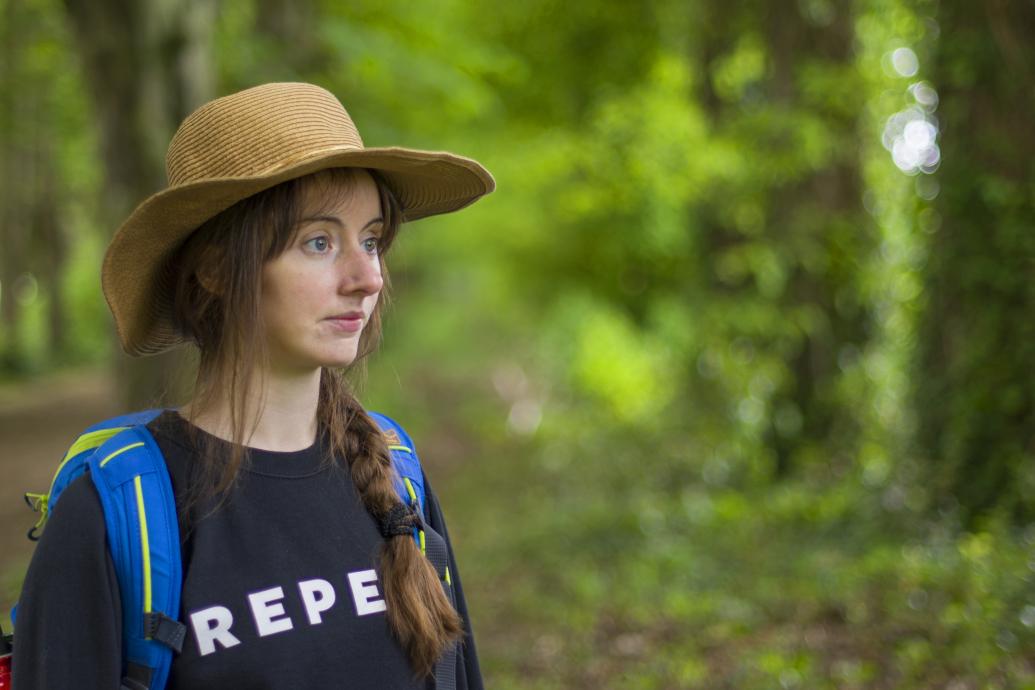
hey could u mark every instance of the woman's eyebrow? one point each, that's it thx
(337, 221)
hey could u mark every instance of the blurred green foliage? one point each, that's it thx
(717, 395)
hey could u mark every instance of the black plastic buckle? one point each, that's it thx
(159, 627)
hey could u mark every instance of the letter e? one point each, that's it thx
(364, 593)
(266, 607)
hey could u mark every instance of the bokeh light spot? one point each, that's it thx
(905, 62)
(911, 136)
(924, 95)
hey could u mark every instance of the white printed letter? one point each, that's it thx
(265, 607)
(212, 625)
(364, 593)
(318, 596)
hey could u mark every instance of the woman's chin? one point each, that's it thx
(310, 362)
(339, 360)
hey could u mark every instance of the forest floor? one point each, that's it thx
(38, 422)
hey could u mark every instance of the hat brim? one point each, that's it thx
(136, 276)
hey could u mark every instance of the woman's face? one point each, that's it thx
(318, 295)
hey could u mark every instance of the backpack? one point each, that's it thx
(131, 478)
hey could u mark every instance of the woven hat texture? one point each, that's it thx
(239, 145)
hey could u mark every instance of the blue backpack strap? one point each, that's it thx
(75, 462)
(143, 536)
(409, 480)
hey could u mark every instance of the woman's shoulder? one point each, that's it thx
(173, 435)
(169, 426)
(70, 587)
(75, 524)
(79, 501)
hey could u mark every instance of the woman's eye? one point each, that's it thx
(371, 244)
(318, 244)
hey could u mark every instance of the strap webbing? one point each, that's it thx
(137, 677)
(171, 633)
(438, 554)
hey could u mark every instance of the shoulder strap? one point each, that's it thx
(143, 535)
(409, 480)
(410, 486)
(75, 462)
(435, 548)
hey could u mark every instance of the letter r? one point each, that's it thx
(212, 625)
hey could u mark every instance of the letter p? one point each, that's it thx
(318, 596)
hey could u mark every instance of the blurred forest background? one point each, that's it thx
(731, 384)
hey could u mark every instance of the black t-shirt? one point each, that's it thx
(280, 585)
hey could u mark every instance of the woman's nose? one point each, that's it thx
(360, 272)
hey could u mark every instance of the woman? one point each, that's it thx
(266, 251)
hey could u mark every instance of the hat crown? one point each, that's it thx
(258, 131)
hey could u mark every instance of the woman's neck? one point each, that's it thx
(280, 413)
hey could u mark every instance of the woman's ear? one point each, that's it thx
(208, 271)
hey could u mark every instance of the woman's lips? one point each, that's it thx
(347, 323)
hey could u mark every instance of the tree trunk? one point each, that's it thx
(147, 65)
(52, 250)
(975, 378)
(13, 259)
(814, 210)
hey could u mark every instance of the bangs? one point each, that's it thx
(322, 192)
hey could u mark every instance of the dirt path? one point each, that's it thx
(38, 422)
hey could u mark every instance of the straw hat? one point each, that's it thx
(237, 146)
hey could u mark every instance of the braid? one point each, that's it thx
(419, 614)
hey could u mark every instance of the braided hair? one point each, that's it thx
(419, 614)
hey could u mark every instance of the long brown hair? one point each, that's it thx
(216, 306)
